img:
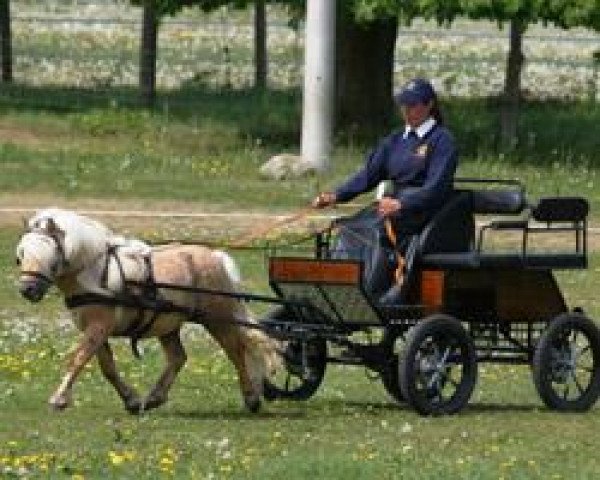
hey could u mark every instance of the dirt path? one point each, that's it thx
(180, 220)
(167, 219)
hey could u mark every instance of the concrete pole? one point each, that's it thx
(319, 63)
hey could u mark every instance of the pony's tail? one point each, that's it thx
(262, 353)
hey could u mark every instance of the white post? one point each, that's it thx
(319, 64)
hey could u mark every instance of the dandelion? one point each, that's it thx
(115, 458)
(118, 458)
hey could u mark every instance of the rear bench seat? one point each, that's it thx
(572, 211)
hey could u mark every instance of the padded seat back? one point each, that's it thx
(452, 229)
(561, 209)
(495, 201)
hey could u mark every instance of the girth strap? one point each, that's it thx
(143, 304)
(130, 301)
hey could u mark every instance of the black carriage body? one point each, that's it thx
(504, 300)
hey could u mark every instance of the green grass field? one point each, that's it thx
(350, 429)
(204, 154)
(206, 147)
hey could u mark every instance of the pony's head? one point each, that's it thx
(55, 243)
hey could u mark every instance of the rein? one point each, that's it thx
(263, 230)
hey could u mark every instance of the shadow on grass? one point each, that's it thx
(232, 414)
(289, 410)
(476, 408)
(273, 116)
(549, 130)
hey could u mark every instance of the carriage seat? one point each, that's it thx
(478, 260)
(550, 210)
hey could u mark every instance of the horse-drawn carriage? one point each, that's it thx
(460, 304)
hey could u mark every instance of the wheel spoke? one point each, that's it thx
(566, 391)
(577, 384)
(575, 333)
(583, 350)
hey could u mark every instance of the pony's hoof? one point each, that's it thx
(58, 404)
(151, 403)
(134, 406)
(252, 404)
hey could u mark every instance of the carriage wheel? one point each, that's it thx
(438, 366)
(566, 363)
(393, 342)
(304, 368)
(304, 362)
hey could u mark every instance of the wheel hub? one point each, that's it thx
(563, 363)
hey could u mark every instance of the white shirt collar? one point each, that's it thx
(422, 129)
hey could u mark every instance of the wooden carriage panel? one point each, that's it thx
(333, 287)
(340, 272)
(511, 295)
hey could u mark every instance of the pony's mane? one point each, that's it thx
(82, 234)
(68, 221)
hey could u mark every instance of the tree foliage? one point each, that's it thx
(171, 7)
(563, 13)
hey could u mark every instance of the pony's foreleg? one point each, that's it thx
(232, 343)
(109, 370)
(94, 336)
(176, 358)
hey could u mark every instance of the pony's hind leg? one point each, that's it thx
(107, 366)
(176, 358)
(231, 341)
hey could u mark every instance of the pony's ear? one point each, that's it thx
(25, 223)
(52, 228)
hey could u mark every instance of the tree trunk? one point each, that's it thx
(260, 44)
(148, 54)
(509, 114)
(364, 72)
(5, 41)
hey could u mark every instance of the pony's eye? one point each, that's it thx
(18, 262)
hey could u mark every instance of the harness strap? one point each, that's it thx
(147, 300)
(149, 292)
(128, 301)
(139, 328)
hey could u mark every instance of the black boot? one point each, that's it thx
(392, 297)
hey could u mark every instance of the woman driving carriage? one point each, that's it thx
(420, 160)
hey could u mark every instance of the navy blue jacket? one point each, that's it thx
(421, 169)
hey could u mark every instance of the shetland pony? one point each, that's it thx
(86, 261)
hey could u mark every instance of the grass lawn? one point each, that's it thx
(206, 147)
(208, 154)
(349, 429)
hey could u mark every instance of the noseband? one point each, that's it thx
(62, 261)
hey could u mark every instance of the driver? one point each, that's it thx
(420, 161)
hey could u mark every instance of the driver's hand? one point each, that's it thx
(388, 206)
(324, 199)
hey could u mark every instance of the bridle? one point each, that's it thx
(61, 262)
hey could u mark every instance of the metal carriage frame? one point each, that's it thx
(461, 305)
